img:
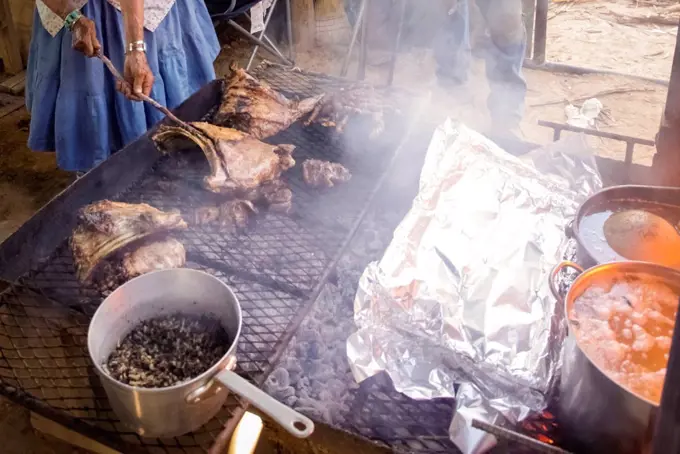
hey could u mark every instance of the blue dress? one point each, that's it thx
(75, 109)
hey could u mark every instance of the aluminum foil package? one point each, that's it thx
(459, 304)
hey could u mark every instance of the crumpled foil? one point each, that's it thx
(459, 305)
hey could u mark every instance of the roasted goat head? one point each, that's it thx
(254, 107)
(239, 164)
(140, 257)
(336, 109)
(319, 174)
(106, 227)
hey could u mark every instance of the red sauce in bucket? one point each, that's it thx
(625, 326)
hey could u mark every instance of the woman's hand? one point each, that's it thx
(85, 37)
(138, 76)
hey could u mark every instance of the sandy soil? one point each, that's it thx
(621, 35)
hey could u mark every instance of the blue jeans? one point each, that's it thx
(504, 58)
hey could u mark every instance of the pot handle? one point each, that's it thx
(554, 274)
(295, 423)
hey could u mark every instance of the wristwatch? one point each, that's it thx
(71, 19)
(139, 46)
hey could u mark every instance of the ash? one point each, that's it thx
(314, 375)
(168, 350)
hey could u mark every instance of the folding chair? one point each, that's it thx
(228, 10)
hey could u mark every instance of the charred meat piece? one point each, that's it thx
(335, 109)
(105, 227)
(140, 257)
(276, 195)
(232, 215)
(254, 107)
(317, 173)
(239, 163)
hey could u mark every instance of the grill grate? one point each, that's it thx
(406, 425)
(275, 268)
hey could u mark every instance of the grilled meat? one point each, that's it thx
(317, 173)
(140, 257)
(239, 164)
(276, 195)
(233, 215)
(335, 109)
(105, 227)
(254, 107)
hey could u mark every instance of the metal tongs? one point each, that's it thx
(142, 96)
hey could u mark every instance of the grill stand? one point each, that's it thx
(283, 262)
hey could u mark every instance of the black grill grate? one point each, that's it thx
(275, 268)
(407, 425)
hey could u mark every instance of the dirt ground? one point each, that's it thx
(621, 35)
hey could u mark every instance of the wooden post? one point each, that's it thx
(666, 435)
(529, 14)
(540, 31)
(9, 44)
(667, 158)
(304, 24)
(22, 15)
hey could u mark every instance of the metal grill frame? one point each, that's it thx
(283, 296)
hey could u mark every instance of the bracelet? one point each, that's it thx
(136, 46)
(71, 19)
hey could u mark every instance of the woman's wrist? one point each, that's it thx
(136, 46)
(133, 21)
(71, 19)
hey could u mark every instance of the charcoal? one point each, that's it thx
(315, 365)
(280, 378)
(168, 350)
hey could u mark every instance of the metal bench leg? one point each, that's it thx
(263, 36)
(289, 26)
(355, 32)
(361, 70)
(397, 43)
(257, 41)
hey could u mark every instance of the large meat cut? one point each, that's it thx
(254, 107)
(360, 100)
(106, 227)
(318, 174)
(232, 215)
(140, 257)
(241, 166)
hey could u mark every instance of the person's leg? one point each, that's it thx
(452, 45)
(504, 60)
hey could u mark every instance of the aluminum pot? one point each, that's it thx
(599, 415)
(176, 410)
(613, 198)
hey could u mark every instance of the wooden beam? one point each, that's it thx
(11, 55)
(304, 24)
(9, 104)
(56, 430)
(15, 85)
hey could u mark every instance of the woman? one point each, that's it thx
(165, 49)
